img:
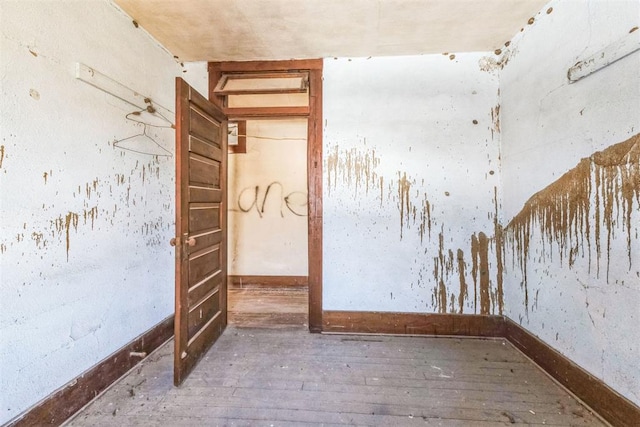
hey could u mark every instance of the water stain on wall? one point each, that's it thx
(599, 192)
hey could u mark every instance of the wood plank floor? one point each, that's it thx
(282, 377)
(284, 307)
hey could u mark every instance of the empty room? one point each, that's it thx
(339, 212)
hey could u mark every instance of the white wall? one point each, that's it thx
(268, 201)
(575, 290)
(84, 254)
(409, 181)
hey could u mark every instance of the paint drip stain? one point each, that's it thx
(462, 294)
(499, 245)
(495, 118)
(404, 187)
(355, 168)
(440, 267)
(563, 211)
(39, 239)
(64, 225)
(425, 217)
(474, 270)
(91, 214)
(483, 252)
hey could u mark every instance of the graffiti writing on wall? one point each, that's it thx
(260, 199)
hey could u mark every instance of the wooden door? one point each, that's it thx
(201, 213)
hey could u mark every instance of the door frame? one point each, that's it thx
(314, 153)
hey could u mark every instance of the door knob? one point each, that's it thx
(191, 241)
(172, 242)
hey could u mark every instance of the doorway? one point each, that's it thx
(267, 224)
(269, 117)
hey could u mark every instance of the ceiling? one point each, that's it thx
(243, 30)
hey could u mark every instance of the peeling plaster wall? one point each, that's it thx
(84, 254)
(268, 201)
(571, 173)
(411, 185)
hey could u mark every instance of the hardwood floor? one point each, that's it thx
(291, 377)
(260, 307)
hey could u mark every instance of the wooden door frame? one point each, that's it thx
(314, 153)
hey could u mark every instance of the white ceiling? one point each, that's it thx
(242, 30)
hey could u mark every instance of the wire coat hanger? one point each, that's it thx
(134, 116)
(163, 153)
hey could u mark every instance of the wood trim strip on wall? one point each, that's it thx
(413, 323)
(246, 113)
(608, 403)
(62, 404)
(314, 190)
(254, 66)
(243, 282)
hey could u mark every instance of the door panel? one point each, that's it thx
(203, 216)
(201, 239)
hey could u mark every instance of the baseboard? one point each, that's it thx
(413, 323)
(608, 403)
(244, 282)
(62, 404)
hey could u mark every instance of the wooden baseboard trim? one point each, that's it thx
(244, 282)
(608, 403)
(413, 323)
(62, 404)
